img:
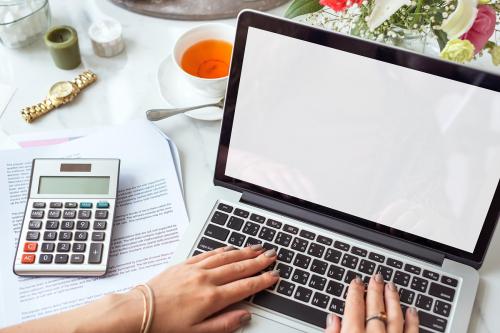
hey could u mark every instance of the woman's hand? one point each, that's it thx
(380, 298)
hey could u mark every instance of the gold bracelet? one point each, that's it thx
(148, 308)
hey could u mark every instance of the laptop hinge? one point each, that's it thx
(344, 227)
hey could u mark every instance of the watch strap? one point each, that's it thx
(33, 112)
(85, 79)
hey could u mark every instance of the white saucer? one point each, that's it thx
(177, 92)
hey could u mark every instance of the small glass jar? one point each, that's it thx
(23, 21)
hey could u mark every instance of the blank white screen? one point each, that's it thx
(403, 148)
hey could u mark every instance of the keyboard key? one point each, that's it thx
(85, 205)
(283, 239)
(52, 225)
(251, 228)
(274, 224)
(441, 291)
(45, 258)
(71, 205)
(79, 247)
(252, 241)
(336, 272)
(69, 214)
(337, 306)
(307, 234)
(48, 247)
(324, 240)
(349, 261)
(81, 236)
(236, 239)
(63, 247)
(317, 282)
(291, 229)
(224, 207)
(38, 204)
(35, 225)
(77, 258)
(61, 258)
(333, 256)
(257, 218)
(82, 225)
(269, 246)
(430, 275)
(285, 288)
(300, 276)
(100, 225)
(320, 300)
(32, 235)
(67, 225)
(423, 302)
(367, 267)
(65, 236)
(235, 223)
(442, 308)
(56, 205)
(359, 251)
(351, 275)
(54, 214)
(220, 218)
(334, 288)
(95, 253)
(241, 213)
(419, 284)
(101, 214)
(431, 321)
(267, 234)
(319, 266)
(449, 281)
(303, 294)
(37, 214)
(341, 246)
(285, 270)
(49, 235)
(216, 232)
(376, 257)
(98, 236)
(291, 308)
(401, 278)
(406, 296)
(394, 263)
(412, 269)
(196, 252)
(385, 271)
(302, 261)
(28, 258)
(299, 244)
(30, 247)
(285, 255)
(84, 214)
(316, 250)
(102, 205)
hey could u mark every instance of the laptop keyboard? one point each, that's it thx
(316, 269)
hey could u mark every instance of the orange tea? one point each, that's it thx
(208, 59)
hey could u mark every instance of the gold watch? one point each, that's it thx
(59, 94)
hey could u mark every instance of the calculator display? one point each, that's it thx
(73, 185)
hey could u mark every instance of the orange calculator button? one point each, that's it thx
(28, 258)
(30, 247)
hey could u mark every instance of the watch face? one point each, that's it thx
(61, 89)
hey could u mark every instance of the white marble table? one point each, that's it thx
(127, 86)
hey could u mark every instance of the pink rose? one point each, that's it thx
(482, 28)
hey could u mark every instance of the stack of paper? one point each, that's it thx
(150, 219)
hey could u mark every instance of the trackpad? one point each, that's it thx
(261, 324)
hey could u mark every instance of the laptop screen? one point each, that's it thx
(409, 150)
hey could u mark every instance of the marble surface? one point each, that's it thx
(127, 86)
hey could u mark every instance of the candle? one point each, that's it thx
(106, 37)
(62, 42)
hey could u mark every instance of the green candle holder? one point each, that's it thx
(62, 42)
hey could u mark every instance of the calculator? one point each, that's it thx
(68, 219)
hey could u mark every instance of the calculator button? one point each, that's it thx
(52, 225)
(101, 214)
(56, 205)
(61, 258)
(85, 204)
(95, 253)
(69, 214)
(82, 225)
(98, 236)
(67, 225)
(65, 235)
(100, 225)
(45, 258)
(63, 247)
(28, 258)
(38, 204)
(54, 214)
(81, 236)
(30, 247)
(79, 247)
(77, 258)
(35, 225)
(70, 205)
(49, 235)
(32, 235)
(84, 214)
(102, 204)
(48, 247)
(37, 214)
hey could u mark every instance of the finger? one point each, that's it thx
(375, 303)
(204, 255)
(354, 314)
(332, 324)
(395, 320)
(242, 269)
(239, 290)
(224, 323)
(411, 322)
(228, 257)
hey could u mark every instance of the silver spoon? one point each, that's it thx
(159, 114)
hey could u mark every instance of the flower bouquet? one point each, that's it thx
(462, 30)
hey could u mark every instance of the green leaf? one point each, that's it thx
(442, 38)
(301, 7)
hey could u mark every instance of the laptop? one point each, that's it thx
(351, 158)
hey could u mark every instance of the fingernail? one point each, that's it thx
(392, 286)
(358, 280)
(275, 272)
(329, 320)
(379, 278)
(245, 318)
(270, 253)
(412, 311)
(256, 247)
(229, 248)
